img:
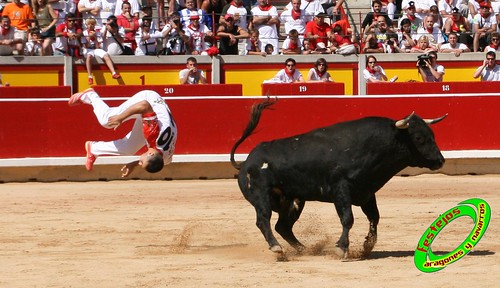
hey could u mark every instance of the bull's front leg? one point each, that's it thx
(371, 211)
(344, 210)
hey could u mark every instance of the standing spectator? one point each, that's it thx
(430, 70)
(433, 33)
(295, 19)
(135, 7)
(291, 45)
(288, 74)
(34, 45)
(108, 8)
(8, 42)
(62, 8)
(229, 36)
(213, 6)
(422, 7)
(89, 9)
(371, 17)
(21, 18)
(203, 18)
(253, 44)
(92, 43)
(389, 6)
(459, 25)
(320, 72)
(453, 46)
(130, 24)
(146, 38)
(410, 14)
(494, 43)
(484, 23)
(46, 19)
(174, 6)
(265, 19)
(69, 34)
(489, 71)
(174, 37)
(310, 7)
(318, 31)
(374, 73)
(199, 36)
(405, 37)
(191, 74)
(240, 12)
(112, 36)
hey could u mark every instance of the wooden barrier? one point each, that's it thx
(303, 89)
(388, 88)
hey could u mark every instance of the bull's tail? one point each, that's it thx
(252, 124)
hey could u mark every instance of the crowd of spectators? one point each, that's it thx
(238, 27)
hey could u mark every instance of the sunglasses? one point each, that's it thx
(71, 20)
(321, 64)
(494, 39)
(372, 62)
(290, 65)
(490, 58)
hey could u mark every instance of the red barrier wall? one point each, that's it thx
(41, 128)
(387, 88)
(172, 90)
(303, 89)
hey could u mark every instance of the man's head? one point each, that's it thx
(70, 20)
(429, 22)
(382, 24)
(433, 56)
(411, 9)
(453, 39)
(319, 17)
(296, 5)
(152, 160)
(491, 58)
(191, 62)
(377, 6)
(5, 22)
(290, 64)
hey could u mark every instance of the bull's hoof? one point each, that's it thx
(369, 244)
(276, 249)
(341, 252)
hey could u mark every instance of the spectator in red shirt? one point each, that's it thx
(131, 25)
(317, 30)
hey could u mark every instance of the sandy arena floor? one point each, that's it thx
(202, 234)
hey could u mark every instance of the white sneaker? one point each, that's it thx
(76, 98)
(394, 79)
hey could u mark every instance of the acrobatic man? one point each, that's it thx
(154, 127)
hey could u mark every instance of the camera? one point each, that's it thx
(422, 60)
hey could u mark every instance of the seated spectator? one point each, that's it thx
(112, 36)
(405, 37)
(288, 74)
(199, 36)
(265, 19)
(253, 44)
(410, 14)
(34, 46)
(322, 49)
(320, 72)
(423, 45)
(489, 71)
(380, 29)
(317, 31)
(436, 16)
(8, 42)
(484, 23)
(146, 38)
(433, 33)
(191, 74)
(240, 12)
(430, 70)
(229, 36)
(269, 49)
(459, 25)
(371, 17)
(342, 43)
(46, 19)
(186, 13)
(92, 48)
(22, 19)
(374, 73)
(453, 46)
(130, 25)
(494, 43)
(306, 47)
(69, 34)
(291, 45)
(147, 11)
(371, 45)
(174, 37)
(296, 19)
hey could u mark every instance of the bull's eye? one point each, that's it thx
(419, 139)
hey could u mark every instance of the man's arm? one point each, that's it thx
(141, 107)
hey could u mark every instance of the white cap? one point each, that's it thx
(320, 45)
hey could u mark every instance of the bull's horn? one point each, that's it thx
(403, 124)
(436, 120)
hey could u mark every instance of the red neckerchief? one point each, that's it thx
(430, 31)
(320, 74)
(295, 14)
(253, 45)
(370, 70)
(485, 15)
(293, 45)
(190, 26)
(236, 5)
(494, 46)
(5, 31)
(410, 17)
(265, 8)
(290, 74)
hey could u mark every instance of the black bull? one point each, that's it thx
(345, 164)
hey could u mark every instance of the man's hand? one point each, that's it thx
(114, 121)
(128, 168)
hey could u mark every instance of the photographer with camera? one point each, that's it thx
(174, 39)
(191, 74)
(429, 69)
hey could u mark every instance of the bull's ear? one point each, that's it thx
(403, 123)
(435, 120)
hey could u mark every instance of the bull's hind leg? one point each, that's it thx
(289, 212)
(371, 211)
